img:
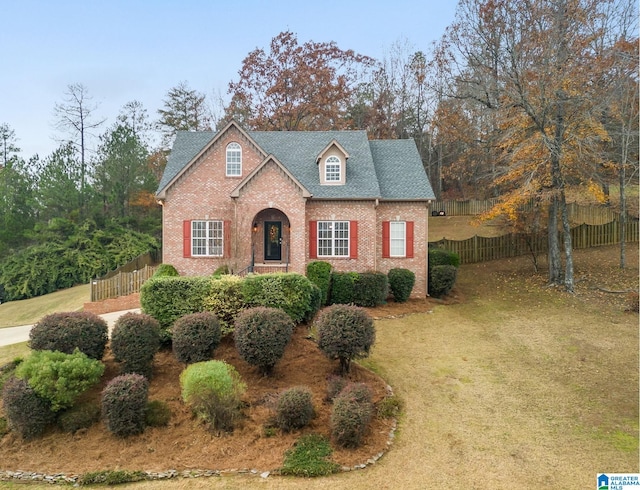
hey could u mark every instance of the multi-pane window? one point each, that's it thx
(207, 238)
(333, 238)
(332, 169)
(397, 239)
(234, 160)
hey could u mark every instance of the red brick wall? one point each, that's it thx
(114, 304)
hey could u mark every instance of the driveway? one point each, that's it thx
(15, 335)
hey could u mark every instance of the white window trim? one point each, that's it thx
(403, 239)
(208, 239)
(233, 147)
(335, 161)
(334, 239)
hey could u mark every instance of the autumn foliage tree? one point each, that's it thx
(538, 68)
(295, 86)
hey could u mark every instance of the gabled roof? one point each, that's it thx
(383, 169)
(337, 145)
(270, 158)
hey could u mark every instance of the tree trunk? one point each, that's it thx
(553, 252)
(568, 246)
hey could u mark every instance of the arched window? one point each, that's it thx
(234, 160)
(332, 169)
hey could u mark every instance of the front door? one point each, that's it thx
(272, 240)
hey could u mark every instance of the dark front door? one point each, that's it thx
(272, 240)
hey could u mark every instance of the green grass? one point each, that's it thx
(28, 311)
(308, 458)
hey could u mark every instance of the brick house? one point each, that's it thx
(276, 200)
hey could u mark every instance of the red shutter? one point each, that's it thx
(186, 238)
(386, 240)
(353, 239)
(409, 238)
(226, 237)
(313, 239)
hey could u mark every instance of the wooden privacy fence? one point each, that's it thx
(149, 258)
(577, 212)
(121, 284)
(480, 249)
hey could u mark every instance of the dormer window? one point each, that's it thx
(234, 160)
(332, 169)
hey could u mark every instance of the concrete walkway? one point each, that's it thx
(15, 335)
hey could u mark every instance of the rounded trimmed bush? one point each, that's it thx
(124, 404)
(401, 282)
(370, 289)
(261, 336)
(441, 280)
(335, 384)
(79, 417)
(319, 273)
(294, 408)
(195, 337)
(157, 414)
(60, 378)
(351, 414)
(65, 332)
(213, 389)
(226, 301)
(166, 270)
(134, 342)
(345, 333)
(28, 414)
(440, 256)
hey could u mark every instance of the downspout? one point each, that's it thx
(235, 229)
(375, 255)
(426, 261)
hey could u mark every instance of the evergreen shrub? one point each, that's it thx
(213, 389)
(67, 331)
(124, 403)
(60, 378)
(27, 413)
(134, 342)
(342, 287)
(226, 301)
(370, 289)
(319, 273)
(294, 408)
(261, 335)
(289, 291)
(345, 332)
(166, 270)
(350, 416)
(168, 298)
(335, 384)
(195, 336)
(440, 256)
(157, 414)
(441, 280)
(401, 282)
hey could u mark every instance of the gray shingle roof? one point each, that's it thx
(385, 169)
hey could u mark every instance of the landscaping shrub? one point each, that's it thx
(213, 389)
(60, 378)
(350, 417)
(319, 273)
(195, 336)
(226, 301)
(124, 403)
(315, 303)
(440, 256)
(7, 370)
(359, 392)
(221, 271)
(261, 336)
(27, 413)
(290, 292)
(168, 298)
(294, 409)
(401, 282)
(335, 384)
(370, 289)
(78, 417)
(309, 458)
(134, 342)
(166, 270)
(111, 477)
(389, 407)
(441, 280)
(65, 332)
(345, 333)
(157, 414)
(342, 286)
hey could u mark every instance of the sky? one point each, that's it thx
(124, 50)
